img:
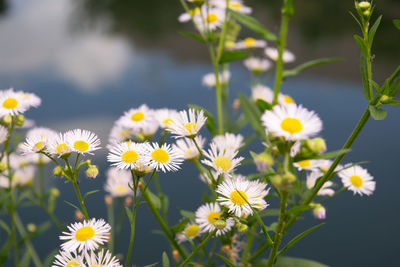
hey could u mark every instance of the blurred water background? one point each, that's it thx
(92, 60)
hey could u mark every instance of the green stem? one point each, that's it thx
(202, 244)
(368, 59)
(28, 243)
(218, 89)
(132, 219)
(110, 217)
(249, 243)
(279, 230)
(201, 170)
(81, 202)
(281, 47)
(202, 157)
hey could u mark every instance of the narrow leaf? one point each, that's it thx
(180, 226)
(310, 64)
(232, 55)
(72, 205)
(226, 260)
(361, 43)
(210, 122)
(253, 25)
(394, 103)
(89, 193)
(128, 213)
(151, 265)
(253, 115)
(297, 210)
(298, 238)
(372, 31)
(188, 214)
(165, 260)
(194, 36)
(364, 76)
(154, 199)
(377, 113)
(262, 105)
(5, 227)
(396, 23)
(328, 155)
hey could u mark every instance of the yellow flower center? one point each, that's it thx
(39, 145)
(10, 103)
(235, 5)
(168, 121)
(356, 180)
(237, 198)
(160, 155)
(191, 127)
(291, 125)
(130, 156)
(195, 11)
(61, 148)
(249, 42)
(120, 189)
(96, 265)
(213, 216)
(72, 263)
(125, 133)
(212, 18)
(81, 145)
(288, 100)
(192, 230)
(137, 116)
(222, 163)
(304, 163)
(85, 233)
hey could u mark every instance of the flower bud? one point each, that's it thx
(364, 5)
(128, 201)
(3, 166)
(315, 145)
(108, 200)
(385, 99)
(236, 104)
(7, 119)
(58, 171)
(175, 255)
(283, 181)
(20, 120)
(263, 161)
(319, 212)
(198, 3)
(242, 228)
(54, 192)
(92, 171)
(79, 215)
(220, 224)
(31, 227)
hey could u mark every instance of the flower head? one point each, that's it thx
(257, 65)
(223, 161)
(191, 231)
(249, 43)
(208, 214)
(117, 184)
(325, 189)
(103, 258)
(357, 179)
(287, 56)
(188, 123)
(82, 141)
(187, 148)
(37, 139)
(68, 259)
(12, 103)
(162, 158)
(209, 79)
(126, 155)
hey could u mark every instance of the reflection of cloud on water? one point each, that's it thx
(35, 36)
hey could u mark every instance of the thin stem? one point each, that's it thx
(218, 89)
(132, 219)
(279, 230)
(201, 170)
(81, 202)
(202, 156)
(249, 243)
(202, 244)
(28, 243)
(110, 217)
(368, 59)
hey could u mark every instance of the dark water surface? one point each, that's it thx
(88, 78)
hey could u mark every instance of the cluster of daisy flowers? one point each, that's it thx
(82, 245)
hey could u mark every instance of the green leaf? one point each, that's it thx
(372, 31)
(361, 43)
(188, 214)
(5, 227)
(210, 122)
(26, 259)
(232, 55)
(364, 76)
(89, 193)
(165, 260)
(253, 25)
(327, 155)
(310, 64)
(72, 205)
(194, 36)
(226, 260)
(297, 210)
(262, 105)
(151, 265)
(290, 262)
(376, 86)
(394, 103)
(297, 239)
(5, 250)
(128, 213)
(253, 115)
(377, 113)
(154, 199)
(396, 23)
(180, 226)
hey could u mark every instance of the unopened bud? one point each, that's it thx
(79, 215)
(226, 249)
(31, 227)
(108, 200)
(20, 120)
(316, 145)
(3, 166)
(366, 13)
(7, 119)
(92, 171)
(220, 224)
(364, 5)
(54, 192)
(236, 104)
(263, 161)
(128, 201)
(283, 181)
(175, 255)
(319, 212)
(58, 171)
(229, 45)
(242, 228)
(385, 99)
(198, 3)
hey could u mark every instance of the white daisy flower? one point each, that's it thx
(18, 161)
(292, 122)
(257, 65)
(295, 149)
(207, 214)
(185, 17)
(37, 139)
(209, 79)
(191, 231)
(166, 116)
(249, 43)
(4, 181)
(285, 100)
(187, 148)
(58, 145)
(104, 258)
(252, 191)
(86, 235)
(287, 56)
(125, 155)
(82, 141)
(228, 141)
(3, 134)
(136, 118)
(307, 164)
(325, 189)
(325, 164)
(146, 131)
(223, 161)
(262, 92)
(68, 259)
(120, 134)
(11, 103)
(30, 99)
(162, 158)
(117, 184)
(357, 180)
(210, 19)
(24, 176)
(188, 123)
(235, 5)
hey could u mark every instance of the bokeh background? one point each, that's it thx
(91, 60)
